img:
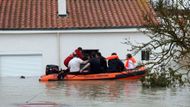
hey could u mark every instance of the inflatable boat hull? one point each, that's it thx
(131, 74)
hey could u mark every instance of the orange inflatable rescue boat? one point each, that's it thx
(130, 74)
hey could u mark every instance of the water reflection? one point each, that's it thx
(15, 92)
(117, 93)
(92, 90)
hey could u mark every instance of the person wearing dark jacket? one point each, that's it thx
(103, 62)
(94, 64)
(115, 64)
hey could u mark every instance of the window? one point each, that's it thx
(88, 52)
(145, 55)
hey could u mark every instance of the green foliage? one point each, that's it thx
(169, 44)
(170, 34)
(169, 78)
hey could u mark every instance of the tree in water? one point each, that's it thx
(169, 43)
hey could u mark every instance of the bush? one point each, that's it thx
(169, 78)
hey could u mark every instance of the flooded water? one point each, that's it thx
(29, 92)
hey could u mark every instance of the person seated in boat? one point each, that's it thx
(78, 52)
(86, 58)
(93, 64)
(114, 63)
(103, 62)
(130, 62)
(74, 64)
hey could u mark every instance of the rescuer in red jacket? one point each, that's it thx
(78, 52)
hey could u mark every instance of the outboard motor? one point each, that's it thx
(52, 69)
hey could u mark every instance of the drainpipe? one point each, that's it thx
(58, 49)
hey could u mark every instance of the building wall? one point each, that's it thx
(28, 44)
(107, 43)
(55, 47)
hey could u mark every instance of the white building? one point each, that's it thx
(34, 33)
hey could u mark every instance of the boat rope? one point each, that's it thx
(36, 95)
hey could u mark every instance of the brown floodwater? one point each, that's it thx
(29, 92)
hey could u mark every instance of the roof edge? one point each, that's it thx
(73, 28)
(81, 30)
(124, 30)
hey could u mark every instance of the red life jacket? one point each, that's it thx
(127, 61)
(112, 57)
(68, 59)
(79, 53)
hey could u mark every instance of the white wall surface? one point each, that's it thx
(23, 44)
(21, 65)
